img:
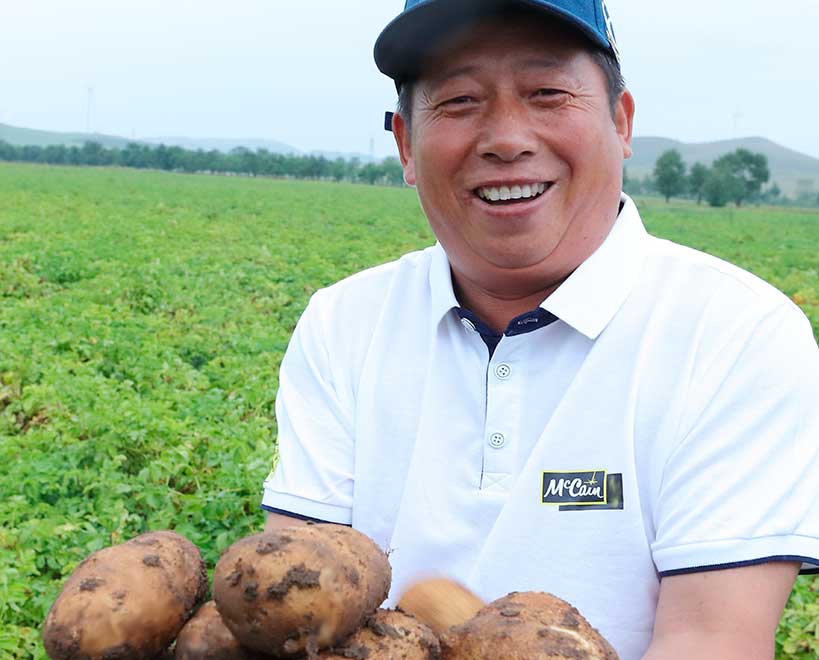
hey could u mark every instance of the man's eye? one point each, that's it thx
(458, 100)
(548, 92)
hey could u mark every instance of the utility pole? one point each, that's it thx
(88, 110)
(736, 117)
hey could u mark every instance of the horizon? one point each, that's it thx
(155, 139)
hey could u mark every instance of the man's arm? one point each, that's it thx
(730, 614)
(315, 407)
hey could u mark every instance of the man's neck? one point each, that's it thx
(494, 308)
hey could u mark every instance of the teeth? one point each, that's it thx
(504, 193)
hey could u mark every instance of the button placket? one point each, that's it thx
(502, 422)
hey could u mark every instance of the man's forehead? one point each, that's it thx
(532, 46)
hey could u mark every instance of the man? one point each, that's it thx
(549, 398)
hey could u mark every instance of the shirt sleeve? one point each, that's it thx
(742, 485)
(313, 477)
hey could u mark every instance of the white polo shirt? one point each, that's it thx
(667, 421)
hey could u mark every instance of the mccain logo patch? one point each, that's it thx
(582, 490)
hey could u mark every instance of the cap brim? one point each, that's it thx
(402, 46)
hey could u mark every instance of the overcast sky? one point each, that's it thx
(302, 72)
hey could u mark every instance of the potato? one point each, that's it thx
(206, 637)
(526, 626)
(388, 635)
(440, 603)
(299, 589)
(128, 601)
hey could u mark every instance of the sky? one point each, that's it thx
(301, 72)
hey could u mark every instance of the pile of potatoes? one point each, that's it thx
(305, 591)
(519, 626)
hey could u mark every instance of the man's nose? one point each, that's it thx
(506, 132)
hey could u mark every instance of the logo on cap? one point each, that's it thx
(610, 30)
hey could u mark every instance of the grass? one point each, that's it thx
(143, 317)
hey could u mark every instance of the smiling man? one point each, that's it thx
(549, 398)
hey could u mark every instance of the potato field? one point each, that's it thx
(143, 316)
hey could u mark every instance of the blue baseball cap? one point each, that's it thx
(401, 47)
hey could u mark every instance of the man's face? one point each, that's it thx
(516, 108)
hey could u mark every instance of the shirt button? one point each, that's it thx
(497, 440)
(465, 322)
(503, 371)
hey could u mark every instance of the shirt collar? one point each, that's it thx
(440, 282)
(591, 295)
(595, 291)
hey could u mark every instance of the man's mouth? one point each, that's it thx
(512, 194)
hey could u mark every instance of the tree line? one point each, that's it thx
(738, 177)
(239, 161)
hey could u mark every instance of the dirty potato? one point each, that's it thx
(299, 589)
(526, 626)
(206, 637)
(388, 635)
(127, 601)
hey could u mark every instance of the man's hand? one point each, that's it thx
(729, 614)
(278, 521)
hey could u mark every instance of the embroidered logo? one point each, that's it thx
(610, 31)
(582, 490)
(579, 488)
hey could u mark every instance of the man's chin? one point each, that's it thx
(517, 258)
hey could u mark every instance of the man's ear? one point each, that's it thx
(624, 121)
(403, 139)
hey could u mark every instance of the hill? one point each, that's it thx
(21, 137)
(28, 136)
(787, 166)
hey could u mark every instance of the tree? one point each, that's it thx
(721, 187)
(338, 169)
(749, 169)
(669, 174)
(697, 179)
(633, 186)
(93, 153)
(649, 185)
(7, 151)
(392, 171)
(369, 173)
(773, 195)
